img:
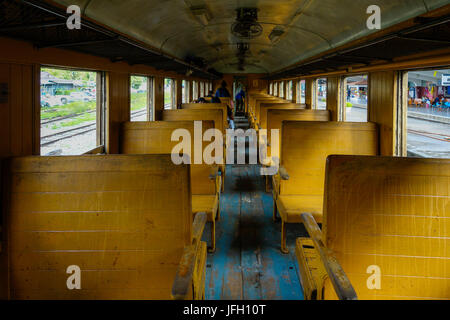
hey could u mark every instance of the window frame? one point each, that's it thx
(101, 108)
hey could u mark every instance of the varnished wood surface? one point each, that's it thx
(155, 137)
(215, 115)
(265, 107)
(305, 145)
(113, 216)
(393, 213)
(202, 106)
(276, 117)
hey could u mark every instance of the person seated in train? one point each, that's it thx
(223, 92)
(213, 98)
(240, 99)
(230, 117)
(202, 100)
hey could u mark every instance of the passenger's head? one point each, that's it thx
(211, 92)
(224, 84)
(201, 100)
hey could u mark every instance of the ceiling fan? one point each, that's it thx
(246, 25)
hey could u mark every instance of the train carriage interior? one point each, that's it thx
(225, 150)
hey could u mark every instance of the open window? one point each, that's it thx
(72, 111)
(169, 94)
(195, 90)
(428, 113)
(301, 92)
(141, 98)
(289, 92)
(321, 94)
(281, 90)
(202, 89)
(185, 91)
(355, 99)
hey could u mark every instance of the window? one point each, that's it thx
(281, 89)
(185, 91)
(72, 111)
(301, 92)
(321, 94)
(271, 88)
(355, 99)
(289, 90)
(428, 112)
(195, 90)
(169, 96)
(275, 89)
(139, 98)
(202, 89)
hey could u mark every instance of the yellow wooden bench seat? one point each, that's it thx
(124, 220)
(265, 107)
(305, 146)
(206, 203)
(386, 225)
(215, 115)
(290, 207)
(253, 102)
(202, 106)
(257, 108)
(275, 117)
(155, 138)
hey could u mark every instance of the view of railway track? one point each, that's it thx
(73, 136)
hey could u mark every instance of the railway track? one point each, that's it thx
(435, 136)
(73, 132)
(66, 117)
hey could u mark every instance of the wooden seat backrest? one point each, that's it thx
(394, 214)
(202, 106)
(123, 220)
(264, 107)
(277, 116)
(305, 146)
(215, 115)
(259, 102)
(154, 137)
(253, 98)
(226, 101)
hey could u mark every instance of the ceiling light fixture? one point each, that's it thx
(202, 14)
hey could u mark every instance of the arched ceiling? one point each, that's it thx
(311, 27)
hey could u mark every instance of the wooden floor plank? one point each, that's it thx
(224, 278)
(248, 263)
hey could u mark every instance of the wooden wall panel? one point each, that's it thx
(179, 92)
(159, 97)
(382, 107)
(16, 133)
(118, 97)
(333, 97)
(309, 93)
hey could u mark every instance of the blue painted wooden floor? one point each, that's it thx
(248, 264)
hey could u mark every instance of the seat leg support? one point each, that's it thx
(212, 249)
(274, 217)
(284, 248)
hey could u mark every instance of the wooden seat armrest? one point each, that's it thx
(283, 173)
(341, 283)
(183, 279)
(198, 226)
(214, 173)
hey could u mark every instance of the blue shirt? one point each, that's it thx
(222, 93)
